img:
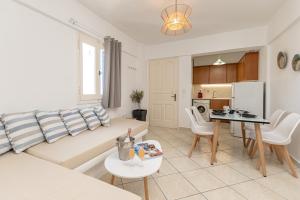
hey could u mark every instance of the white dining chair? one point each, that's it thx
(280, 137)
(200, 120)
(275, 118)
(199, 130)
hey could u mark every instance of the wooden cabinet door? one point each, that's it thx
(218, 104)
(241, 70)
(217, 74)
(251, 66)
(247, 69)
(231, 73)
(201, 75)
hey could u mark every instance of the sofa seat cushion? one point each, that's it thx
(71, 152)
(26, 177)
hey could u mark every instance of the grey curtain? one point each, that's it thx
(112, 73)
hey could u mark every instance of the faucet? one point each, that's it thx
(214, 93)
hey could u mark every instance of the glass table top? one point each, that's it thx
(237, 117)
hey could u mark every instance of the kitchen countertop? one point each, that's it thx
(211, 98)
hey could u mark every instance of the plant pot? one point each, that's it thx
(139, 114)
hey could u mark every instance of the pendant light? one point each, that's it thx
(176, 19)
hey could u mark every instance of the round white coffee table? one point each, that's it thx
(132, 169)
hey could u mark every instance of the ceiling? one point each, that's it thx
(233, 57)
(141, 20)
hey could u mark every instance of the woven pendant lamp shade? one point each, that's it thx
(176, 19)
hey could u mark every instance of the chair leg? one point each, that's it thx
(278, 153)
(209, 138)
(248, 142)
(196, 139)
(289, 161)
(254, 150)
(243, 133)
(271, 148)
(251, 146)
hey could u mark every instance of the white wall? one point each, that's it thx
(284, 84)
(184, 89)
(243, 39)
(39, 62)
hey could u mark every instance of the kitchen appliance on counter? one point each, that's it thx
(247, 96)
(203, 105)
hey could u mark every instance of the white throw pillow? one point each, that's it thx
(23, 130)
(73, 121)
(52, 125)
(90, 118)
(102, 115)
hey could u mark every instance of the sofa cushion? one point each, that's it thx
(102, 115)
(90, 118)
(24, 177)
(73, 121)
(4, 142)
(71, 152)
(23, 130)
(52, 125)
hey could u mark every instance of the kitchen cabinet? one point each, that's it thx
(218, 104)
(201, 75)
(217, 74)
(247, 69)
(231, 73)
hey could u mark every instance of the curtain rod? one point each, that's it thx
(72, 23)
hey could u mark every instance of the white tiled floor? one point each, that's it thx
(233, 177)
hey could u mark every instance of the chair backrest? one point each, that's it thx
(288, 125)
(277, 117)
(192, 118)
(198, 115)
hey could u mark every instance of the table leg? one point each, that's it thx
(260, 146)
(146, 188)
(215, 141)
(112, 180)
(243, 133)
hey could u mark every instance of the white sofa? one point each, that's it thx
(53, 171)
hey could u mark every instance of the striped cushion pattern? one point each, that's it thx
(90, 118)
(52, 125)
(4, 142)
(73, 121)
(102, 115)
(23, 130)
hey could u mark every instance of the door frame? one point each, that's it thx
(176, 88)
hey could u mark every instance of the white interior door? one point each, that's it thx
(162, 92)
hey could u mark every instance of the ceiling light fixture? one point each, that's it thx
(176, 19)
(219, 62)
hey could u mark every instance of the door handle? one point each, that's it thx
(174, 96)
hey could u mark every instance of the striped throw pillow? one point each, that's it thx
(52, 126)
(4, 142)
(102, 115)
(73, 121)
(90, 118)
(23, 130)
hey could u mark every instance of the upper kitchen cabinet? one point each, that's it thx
(231, 73)
(217, 74)
(247, 69)
(201, 75)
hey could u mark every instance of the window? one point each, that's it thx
(91, 68)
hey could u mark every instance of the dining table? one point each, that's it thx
(256, 121)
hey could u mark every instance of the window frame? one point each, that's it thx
(83, 38)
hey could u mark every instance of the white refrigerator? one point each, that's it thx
(247, 96)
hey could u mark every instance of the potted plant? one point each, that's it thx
(136, 97)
